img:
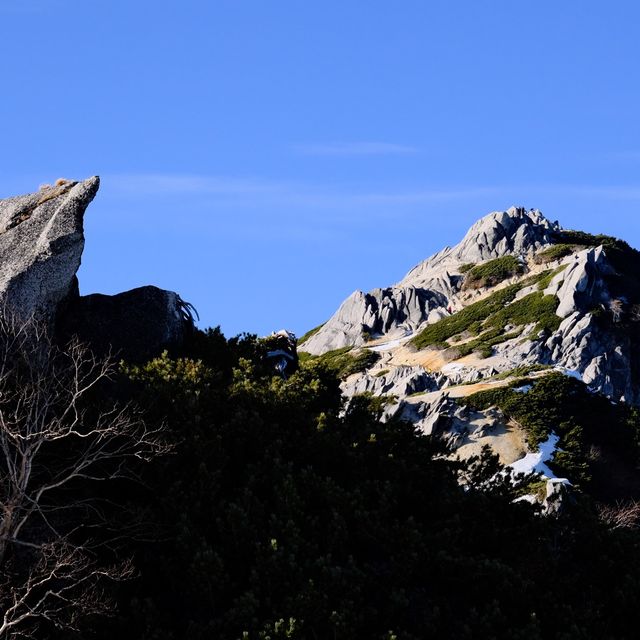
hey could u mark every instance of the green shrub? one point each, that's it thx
(553, 253)
(439, 332)
(310, 333)
(536, 307)
(521, 372)
(489, 274)
(492, 314)
(343, 362)
(560, 404)
(484, 343)
(548, 276)
(584, 239)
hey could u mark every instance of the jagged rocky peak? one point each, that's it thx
(429, 290)
(41, 245)
(516, 231)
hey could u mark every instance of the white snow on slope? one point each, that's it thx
(535, 462)
(386, 346)
(569, 372)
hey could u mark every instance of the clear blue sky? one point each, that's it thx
(266, 158)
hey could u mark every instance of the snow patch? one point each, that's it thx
(536, 462)
(524, 389)
(571, 373)
(390, 344)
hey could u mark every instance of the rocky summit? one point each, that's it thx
(41, 245)
(519, 300)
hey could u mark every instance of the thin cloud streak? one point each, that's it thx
(254, 192)
(355, 149)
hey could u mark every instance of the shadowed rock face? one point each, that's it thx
(41, 244)
(135, 325)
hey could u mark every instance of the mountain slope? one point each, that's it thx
(518, 295)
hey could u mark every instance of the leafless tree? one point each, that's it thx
(622, 515)
(56, 442)
(635, 313)
(617, 309)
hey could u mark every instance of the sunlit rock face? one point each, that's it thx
(41, 244)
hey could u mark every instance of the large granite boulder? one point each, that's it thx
(41, 243)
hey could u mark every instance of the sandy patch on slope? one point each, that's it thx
(507, 440)
(431, 360)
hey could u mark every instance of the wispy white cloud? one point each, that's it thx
(256, 192)
(354, 149)
(295, 197)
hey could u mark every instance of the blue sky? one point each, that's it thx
(267, 158)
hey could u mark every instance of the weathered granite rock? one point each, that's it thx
(41, 243)
(399, 381)
(558, 495)
(377, 313)
(581, 286)
(603, 358)
(135, 325)
(461, 374)
(440, 417)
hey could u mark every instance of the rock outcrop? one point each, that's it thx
(441, 417)
(581, 286)
(399, 381)
(136, 325)
(603, 358)
(41, 245)
(365, 315)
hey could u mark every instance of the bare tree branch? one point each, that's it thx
(622, 515)
(53, 440)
